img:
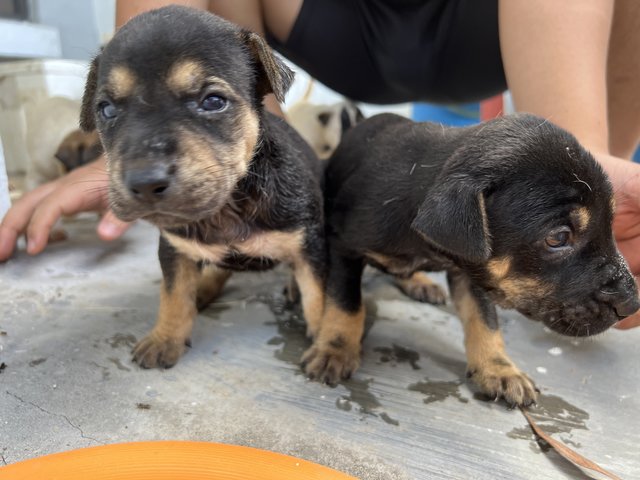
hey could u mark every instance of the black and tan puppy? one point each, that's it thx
(177, 99)
(516, 212)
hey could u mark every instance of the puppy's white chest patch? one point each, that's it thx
(276, 245)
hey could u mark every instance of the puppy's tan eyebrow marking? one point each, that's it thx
(185, 76)
(122, 81)
(581, 216)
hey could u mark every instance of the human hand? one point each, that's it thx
(84, 189)
(625, 178)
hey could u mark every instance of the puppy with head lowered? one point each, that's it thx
(516, 212)
(176, 97)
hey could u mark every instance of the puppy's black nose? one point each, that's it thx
(148, 185)
(627, 307)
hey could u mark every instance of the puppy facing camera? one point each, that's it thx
(516, 211)
(191, 150)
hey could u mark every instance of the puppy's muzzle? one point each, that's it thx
(149, 181)
(149, 185)
(621, 294)
(627, 308)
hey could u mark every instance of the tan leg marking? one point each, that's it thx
(421, 288)
(487, 361)
(166, 342)
(210, 284)
(335, 353)
(312, 295)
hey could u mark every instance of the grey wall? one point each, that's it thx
(83, 24)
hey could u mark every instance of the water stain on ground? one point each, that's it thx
(36, 362)
(397, 354)
(438, 390)
(214, 310)
(293, 342)
(122, 340)
(117, 363)
(291, 327)
(105, 371)
(367, 403)
(554, 415)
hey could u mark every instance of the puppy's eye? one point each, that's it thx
(108, 110)
(213, 103)
(559, 238)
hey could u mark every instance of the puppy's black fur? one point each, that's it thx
(516, 212)
(177, 99)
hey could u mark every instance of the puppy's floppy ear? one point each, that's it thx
(273, 75)
(453, 216)
(87, 113)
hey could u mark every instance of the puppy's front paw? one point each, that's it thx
(151, 351)
(421, 288)
(502, 379)
(330, 363)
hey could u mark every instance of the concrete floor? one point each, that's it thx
(69, 317)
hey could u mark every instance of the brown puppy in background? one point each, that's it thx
(176, 96)
(516, 212)
(78, 148)
(54, 145)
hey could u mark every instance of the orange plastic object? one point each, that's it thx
(168, 461)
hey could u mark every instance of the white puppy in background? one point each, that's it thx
(322, 126)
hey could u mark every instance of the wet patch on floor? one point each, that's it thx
(554, 415)
(291, 326)
(362, 401)
(215, 309)
(397, 354)
(122, 340)
(118, 364)
(36, 362)
(104, 370)
(293, 342)
(438, 390)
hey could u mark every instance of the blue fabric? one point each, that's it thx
(458, 115)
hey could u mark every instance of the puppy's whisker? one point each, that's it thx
(97, 190)
(582, 181)
(88, 181)
(255, 175)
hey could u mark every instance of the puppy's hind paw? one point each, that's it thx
(509, 383)
(421, 288)
(151, 352)
(330, 364)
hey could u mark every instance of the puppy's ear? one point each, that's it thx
(273, 75)
(453, 217)
(87, 113)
